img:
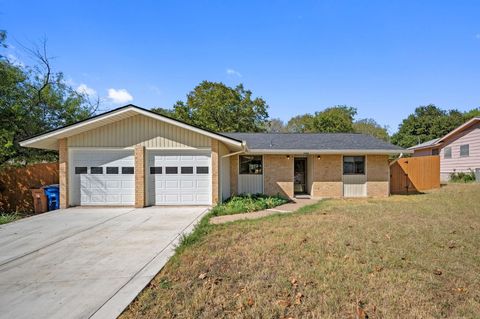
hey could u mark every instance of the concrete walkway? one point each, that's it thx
(286, 208)
(86, 262)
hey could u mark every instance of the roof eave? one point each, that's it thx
(329, 152)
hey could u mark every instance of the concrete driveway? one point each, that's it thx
(85, 262)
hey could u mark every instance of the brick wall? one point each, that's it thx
(278, 175)
(139, 176)
(378, 176)
(63, 171)
(327, 176)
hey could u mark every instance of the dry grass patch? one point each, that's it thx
(400, 257)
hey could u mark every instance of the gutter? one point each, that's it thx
(244, 149)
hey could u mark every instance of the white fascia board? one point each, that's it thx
(328, 152)
(460, 128)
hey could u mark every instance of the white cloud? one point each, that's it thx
(119, 96)
(234, 73)
(85, 89)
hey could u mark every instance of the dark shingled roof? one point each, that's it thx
(313, 141)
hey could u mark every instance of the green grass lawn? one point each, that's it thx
(412, 256)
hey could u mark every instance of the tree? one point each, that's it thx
(34, 99)
(276, 125)
(164, 111)
(217, 107)
(371, 127)
(300, 124)
(471, 114)
(336, 119)
(426, 123)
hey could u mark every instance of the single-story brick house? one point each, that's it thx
(132, 156)
(459, 150)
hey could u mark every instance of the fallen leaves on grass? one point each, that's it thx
(298, 298)
(284, 303)
(437, 272)
(202, 276)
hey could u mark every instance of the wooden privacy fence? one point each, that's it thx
(16, 182)
(414, 174)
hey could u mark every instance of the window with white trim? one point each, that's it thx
(465, 150)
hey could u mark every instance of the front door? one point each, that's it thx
(300, 175)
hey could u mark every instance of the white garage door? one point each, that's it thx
(179, 178)
(102, 177)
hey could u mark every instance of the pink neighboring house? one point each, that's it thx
(459, 150)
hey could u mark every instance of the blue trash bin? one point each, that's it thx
(53, 196)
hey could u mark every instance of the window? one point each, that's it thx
(186, 170)
(112, 170)
(353, 165)
(80, 170)
(465, 150)
(202, 169)
(171, 170)
(435, 151)
(96, 170)
(156, 170)
(128, 170)
(447, 152)
(251, 165)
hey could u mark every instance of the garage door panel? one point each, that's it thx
(187, 184)
(111, 199)
(109, 186)
(184, 186)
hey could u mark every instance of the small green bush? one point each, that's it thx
(247, 203)
(462, 177)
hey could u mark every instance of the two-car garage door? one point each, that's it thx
(107, 177)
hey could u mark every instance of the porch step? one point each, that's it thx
(303, 196)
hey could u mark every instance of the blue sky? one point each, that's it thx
(383, 57)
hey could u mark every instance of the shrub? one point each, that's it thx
(7, 218)
(247, 203)
(462, 177)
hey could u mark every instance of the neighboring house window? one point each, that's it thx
(435, 151)
(251, 165)
(447, 152)
(464, 150)
(353, 165)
